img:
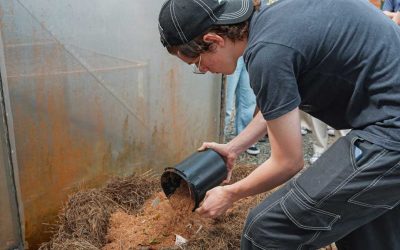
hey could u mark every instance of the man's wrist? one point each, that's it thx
(233, 192)
(234, 149)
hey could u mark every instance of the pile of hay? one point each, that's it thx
(84, 220)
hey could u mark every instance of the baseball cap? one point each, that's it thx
(180, 21)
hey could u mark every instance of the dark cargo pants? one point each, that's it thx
(353, 189)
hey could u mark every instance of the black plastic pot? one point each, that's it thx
(201, 171)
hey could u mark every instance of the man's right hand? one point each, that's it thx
(228, 155)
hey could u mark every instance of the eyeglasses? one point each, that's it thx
(196, 67)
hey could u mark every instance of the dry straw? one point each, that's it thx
(84, 220)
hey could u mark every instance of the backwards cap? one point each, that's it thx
(180, 21)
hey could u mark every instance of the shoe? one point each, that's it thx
(331, 131)
(303, 131)
(253, 150)
(263, 139)
(314, 158)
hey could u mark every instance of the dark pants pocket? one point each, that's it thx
(328, 173)
(349, 166)
(286, 222)
(379, 192)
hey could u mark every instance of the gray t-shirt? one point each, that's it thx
(338, 60)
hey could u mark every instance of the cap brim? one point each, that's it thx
(235, 11)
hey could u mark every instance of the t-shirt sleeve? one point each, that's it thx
(273, 71)
(388, 5)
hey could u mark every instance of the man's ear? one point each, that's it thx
(214, 38)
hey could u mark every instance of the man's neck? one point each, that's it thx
(239, 47)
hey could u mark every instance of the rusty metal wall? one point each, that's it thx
(10, 232)
(8, 218)
(93, 94)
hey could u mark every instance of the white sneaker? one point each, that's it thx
(253, 150)
(331, 131)
(303, 131)
(314, 158)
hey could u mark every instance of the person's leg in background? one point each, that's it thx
(232, 82)
(245, 103)
(342, 132)
(245, 99)
(239, 92)
(305, 123)
(319, 135)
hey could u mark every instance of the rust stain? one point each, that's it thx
(133, 151)
(58, 154)
(171, 134)
(377, 3)
(172, 130)
(51, 158)
(177, 128)
(63, 136)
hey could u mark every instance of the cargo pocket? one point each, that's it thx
(306, 216)
(381, 192)
(333, 167)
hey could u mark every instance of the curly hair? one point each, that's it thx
(235, 32)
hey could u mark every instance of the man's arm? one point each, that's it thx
(254, 130)
(285, 161)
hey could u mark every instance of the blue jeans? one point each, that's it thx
(350, 195)
(239, 90)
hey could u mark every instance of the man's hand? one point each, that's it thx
(228, 155)
(216, 202)
(396, 18)
(389, 14)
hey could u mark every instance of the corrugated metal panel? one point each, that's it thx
(94, 94)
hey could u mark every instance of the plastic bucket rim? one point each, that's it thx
(192, 189)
